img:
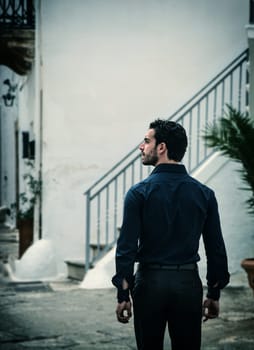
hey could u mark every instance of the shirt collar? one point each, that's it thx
(170, 168)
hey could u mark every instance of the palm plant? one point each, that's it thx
(233, 135)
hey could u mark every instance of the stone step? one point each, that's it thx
(75, 269)
(96, 249)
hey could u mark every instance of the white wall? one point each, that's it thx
(237, 224)
(109, 68)
(8, 117)
(20, 116)
(223, 176)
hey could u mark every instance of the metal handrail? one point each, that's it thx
(104, 199)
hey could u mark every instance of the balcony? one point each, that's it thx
(17, 33)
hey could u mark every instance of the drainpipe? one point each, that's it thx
(38, 113)
(250, 36)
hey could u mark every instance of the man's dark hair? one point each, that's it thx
(173, 135)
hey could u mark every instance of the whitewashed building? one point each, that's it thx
(101, 71)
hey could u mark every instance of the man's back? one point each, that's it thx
(174, 208)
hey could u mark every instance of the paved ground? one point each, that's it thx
(60, 315)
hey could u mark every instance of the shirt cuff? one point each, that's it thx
(123, 295)
(213, 293)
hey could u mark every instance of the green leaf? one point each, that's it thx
(233, 136)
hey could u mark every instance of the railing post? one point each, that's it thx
(88, 221)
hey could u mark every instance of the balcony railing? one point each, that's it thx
(104, 199)
(17, 14)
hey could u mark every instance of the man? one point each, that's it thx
(164, 217)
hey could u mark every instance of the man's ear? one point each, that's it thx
(162, 148)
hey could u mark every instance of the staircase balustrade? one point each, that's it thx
(104, 199)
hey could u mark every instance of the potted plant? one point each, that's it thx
(233, 135)
(25, 213)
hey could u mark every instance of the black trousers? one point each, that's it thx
(170, 298)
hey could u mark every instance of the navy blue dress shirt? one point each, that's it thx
(164, 217)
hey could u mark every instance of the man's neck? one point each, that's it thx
(166, 161)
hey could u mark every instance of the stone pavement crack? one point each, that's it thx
(42, 341)
(26, 339)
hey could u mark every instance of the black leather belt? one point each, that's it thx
(192, 266)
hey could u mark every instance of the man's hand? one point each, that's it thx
(210, 309)
(123, 311)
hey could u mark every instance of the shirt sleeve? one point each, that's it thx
(127, 243)
(217, 264)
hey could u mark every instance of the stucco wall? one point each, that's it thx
(8, 117)
(108, 68)
(224, 177)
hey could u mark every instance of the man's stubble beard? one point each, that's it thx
(150, 159)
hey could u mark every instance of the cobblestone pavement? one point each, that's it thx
(9, 244)
(60, 315)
